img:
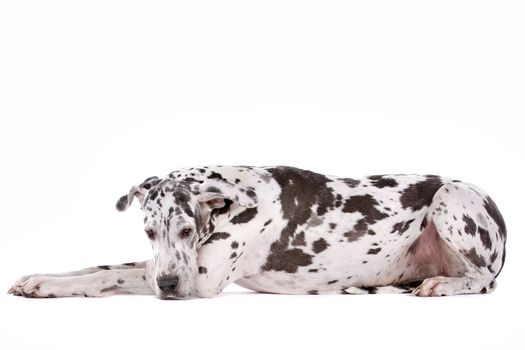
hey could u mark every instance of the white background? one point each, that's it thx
(97, 95)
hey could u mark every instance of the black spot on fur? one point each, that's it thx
(419, 195)
(300, 191)
(215, 175)
(475, 259)
(332, 282)
(287, 260)
(485, 238)
(202, 270)
(104, 267)
(380, 181)
(470, 226)
(217, 236)
(182, 199)
(120, 281)
(312, 292)
(153, 194)
(338, 200)
(150, 182)
(298, 240)
(494, 213)
(401, 227)
(122, 203)
(251, 193)
(350, 182)
(245, 216)
(366, 205)
(319, 245)
(359, 230)
(374, 251)
(235, 245)
(109, 289)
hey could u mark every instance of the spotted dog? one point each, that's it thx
(292, 231)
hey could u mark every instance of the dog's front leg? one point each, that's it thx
(86, 271)
(99, 283)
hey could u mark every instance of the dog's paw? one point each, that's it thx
(35, 286)
(20, 282)
(436, 286)
(15, 289)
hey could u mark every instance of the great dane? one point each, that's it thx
(292, 231)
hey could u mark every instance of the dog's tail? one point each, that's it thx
(407, 287)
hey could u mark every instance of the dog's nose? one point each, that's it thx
(168, 284)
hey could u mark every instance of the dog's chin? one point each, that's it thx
(171, 296)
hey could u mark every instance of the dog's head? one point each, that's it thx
(175, 215)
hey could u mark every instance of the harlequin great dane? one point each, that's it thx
(292, 231)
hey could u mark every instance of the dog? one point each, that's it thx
(291, 231)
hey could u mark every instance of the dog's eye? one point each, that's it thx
(185, 232)
(150, 233)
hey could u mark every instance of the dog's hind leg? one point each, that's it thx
(468, 226)
(92, 282)
(461, 249)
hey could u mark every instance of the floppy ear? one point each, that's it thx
(214, 195)
(138, 191)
